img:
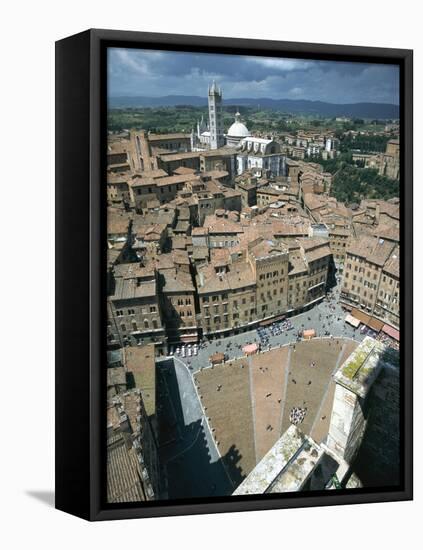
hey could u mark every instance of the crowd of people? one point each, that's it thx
(297, 415)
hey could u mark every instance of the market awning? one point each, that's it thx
(309, 333)
(316, 286)
(368, 320)
(189, 338)
(392, 332)
(216, 358)
(276, 319)
(250, 349)
(351, 320)
(279, 318)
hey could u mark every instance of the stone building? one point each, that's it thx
(119, 189)
(133, 466)
(124, 481)
(247, 187)
(212, 197)
(144, 148)
(390, 161)
(177, 300)
(387, 305)
(267, 195)
(374, 214)
(119, 226)
(133, 310)
(221, 231)
(270, 264)
(226, 295)
(163, 188)
(261, 281)
(149, 239)
(200, 138)
(387, 163)
(169, 162)
(293, 169)
(339, 238)
(310, 266)
(338, 219)
(119, 155)
(262, 156)
(223, 159)
(371, 278)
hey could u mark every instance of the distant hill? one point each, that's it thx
(300, 106)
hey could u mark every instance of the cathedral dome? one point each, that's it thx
(238, 129)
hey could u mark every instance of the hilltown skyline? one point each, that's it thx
(253, 312)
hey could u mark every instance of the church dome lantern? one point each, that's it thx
(237, 131)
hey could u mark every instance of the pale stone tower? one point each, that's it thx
(353, 382)
(217, 138)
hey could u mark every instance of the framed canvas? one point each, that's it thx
(230, 289)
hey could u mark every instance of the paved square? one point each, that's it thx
(248, 401)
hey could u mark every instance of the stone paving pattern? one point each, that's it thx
(248, 401)
(230, 409)
(268, 376)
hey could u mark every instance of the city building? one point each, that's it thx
(371, 279)
(227, 296)
(133, 466)
(311, 264)
(262, 156)
(260, 281)
(177, 298)
(387, 163)
(270, 264)
(145, 147)
(134, 315)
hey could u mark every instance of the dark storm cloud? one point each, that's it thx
(159, 73)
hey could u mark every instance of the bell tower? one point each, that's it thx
(217, 138)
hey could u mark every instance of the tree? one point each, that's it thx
(351, 184)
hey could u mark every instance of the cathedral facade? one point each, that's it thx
(262, 156)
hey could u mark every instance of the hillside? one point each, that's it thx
(318, 108)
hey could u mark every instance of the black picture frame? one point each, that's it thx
(80, 282)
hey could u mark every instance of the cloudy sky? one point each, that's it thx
(159, 73)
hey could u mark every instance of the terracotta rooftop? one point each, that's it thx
(177, 281)
(127, 289)
(171, 157)
(240, 275)
(161, 137)
(374, 250)
(392, 266)
(159, 173)
(117, 223)
(133, 270)
(172, 180)
(140, 360)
